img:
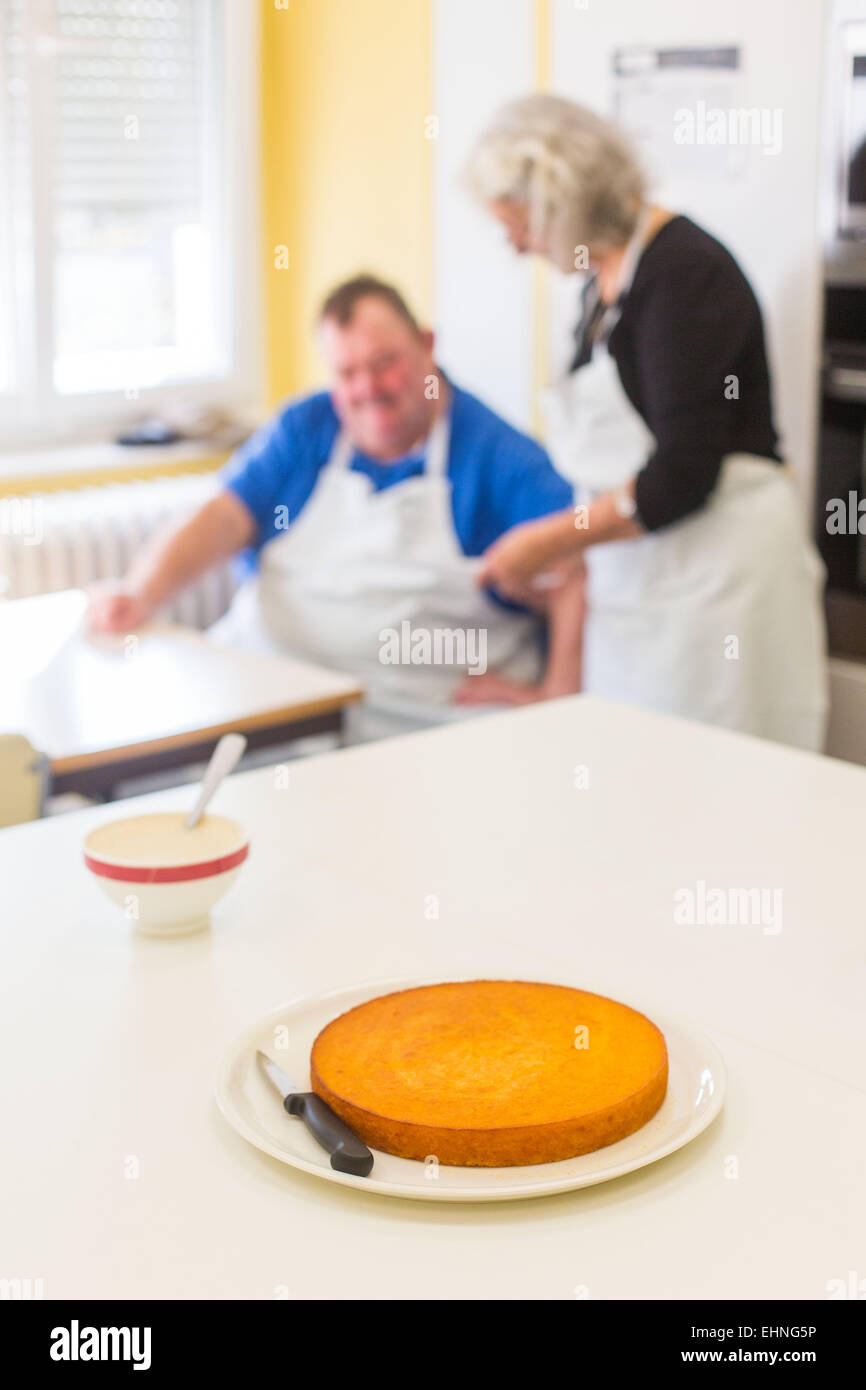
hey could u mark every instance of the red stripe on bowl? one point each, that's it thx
(168, 873)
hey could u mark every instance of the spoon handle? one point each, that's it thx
(224, 757)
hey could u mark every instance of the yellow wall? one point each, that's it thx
(346, 88)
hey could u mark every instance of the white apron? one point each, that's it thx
(717, 617)
(359, 564)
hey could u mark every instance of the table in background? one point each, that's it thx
(105, 708)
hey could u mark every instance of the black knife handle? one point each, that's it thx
(348, 1154)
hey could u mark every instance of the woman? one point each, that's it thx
(703, 593)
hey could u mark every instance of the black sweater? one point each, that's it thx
(689, 323)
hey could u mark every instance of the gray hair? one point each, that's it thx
(574, 170)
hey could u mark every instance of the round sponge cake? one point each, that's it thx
(491, 1073)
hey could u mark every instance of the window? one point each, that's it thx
(126, 208)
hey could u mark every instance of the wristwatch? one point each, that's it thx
(624, 503)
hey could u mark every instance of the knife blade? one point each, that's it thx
(348, 1153)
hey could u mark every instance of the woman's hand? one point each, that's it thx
(523, 553)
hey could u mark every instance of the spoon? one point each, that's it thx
(224, 758)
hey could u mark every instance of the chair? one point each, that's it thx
(23, 780)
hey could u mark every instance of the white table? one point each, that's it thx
(103, 707)
(110, 1041)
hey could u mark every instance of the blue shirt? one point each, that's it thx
(499, 477)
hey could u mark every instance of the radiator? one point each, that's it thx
(67, 540)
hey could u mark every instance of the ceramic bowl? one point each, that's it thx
(164, 877)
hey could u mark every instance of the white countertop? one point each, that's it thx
(111, 1041)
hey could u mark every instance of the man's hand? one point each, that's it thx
(492, 688)
(113, 608)
(170, 560)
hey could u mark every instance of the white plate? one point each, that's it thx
(696, 1090)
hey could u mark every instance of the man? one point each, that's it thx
(363, 509)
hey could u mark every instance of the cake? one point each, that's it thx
(491, 1073)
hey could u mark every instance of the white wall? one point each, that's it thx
(484, 54)
(768, 217)
(846, 735)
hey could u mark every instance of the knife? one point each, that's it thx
(348, 1154)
